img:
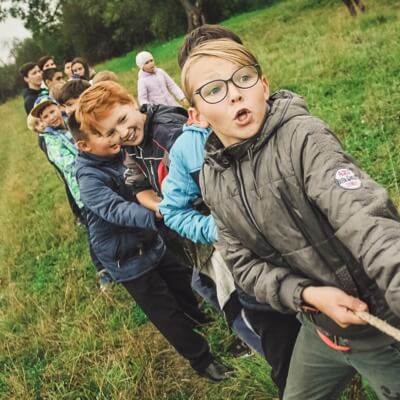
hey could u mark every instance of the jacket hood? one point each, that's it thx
(196, 129)
(282, 107)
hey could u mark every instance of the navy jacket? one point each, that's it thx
(162, 127)
(122, 233)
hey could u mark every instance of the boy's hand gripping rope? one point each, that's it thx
(377, 323)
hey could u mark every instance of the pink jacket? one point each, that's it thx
(157, 88)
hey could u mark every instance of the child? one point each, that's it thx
(35, 124)
(67, 68)
(105, 76)
(155, 86)
(184, 211)
(46, 62)
(81, 69)
(70, 92)
(301, 226)
(52, 77)
(124, 234)
(32, 76)
(58, 145)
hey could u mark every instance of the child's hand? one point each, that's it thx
(336, 304)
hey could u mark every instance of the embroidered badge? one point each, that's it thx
(346, 179)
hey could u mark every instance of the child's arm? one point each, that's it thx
(180, 191)
(359, 210)
(109, 205)
(172, 86)
(268, 283)
(143, 96)
(150, 200)
(64, 160)
(335, 303)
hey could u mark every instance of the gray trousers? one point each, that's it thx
(318, 372)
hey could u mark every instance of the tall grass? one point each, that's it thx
(59, 337)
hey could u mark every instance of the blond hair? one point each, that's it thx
(104, 76)
(32, 123)
(96, 102)
(225, 49)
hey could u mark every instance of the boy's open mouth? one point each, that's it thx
(243, 116)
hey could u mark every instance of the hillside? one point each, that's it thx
(60, 338)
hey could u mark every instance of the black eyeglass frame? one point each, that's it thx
(226, 81)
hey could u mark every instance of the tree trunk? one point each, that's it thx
(194, 13)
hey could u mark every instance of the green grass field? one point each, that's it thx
(59, 337)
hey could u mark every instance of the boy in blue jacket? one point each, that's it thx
(57, 143)
(124, 235)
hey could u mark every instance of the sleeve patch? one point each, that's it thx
(346, 179)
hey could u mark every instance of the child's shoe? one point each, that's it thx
(216, 371)
(105, 280)
(239, 349)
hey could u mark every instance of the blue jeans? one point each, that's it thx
(240, 327)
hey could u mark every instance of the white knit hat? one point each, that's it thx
(142, 58)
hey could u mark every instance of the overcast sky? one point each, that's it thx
(9, 29)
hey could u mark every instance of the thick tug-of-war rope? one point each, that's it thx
(377, 323)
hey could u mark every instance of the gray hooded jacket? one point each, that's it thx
(294, 210)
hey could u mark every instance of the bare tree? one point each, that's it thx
(352, 9)
(194, 13)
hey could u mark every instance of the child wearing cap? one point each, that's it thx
(57, 142)
(155, 86)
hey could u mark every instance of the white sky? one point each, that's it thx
(9, 29)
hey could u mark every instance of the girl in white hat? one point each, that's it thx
(155, 86)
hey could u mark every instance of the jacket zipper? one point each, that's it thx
(243, 197)
(150, 171)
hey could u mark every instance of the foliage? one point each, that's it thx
(60, 338)
(99, 29)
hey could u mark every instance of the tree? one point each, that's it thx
(194, 13)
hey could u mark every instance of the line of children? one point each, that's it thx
(300, 225)
(124, 234)
(303, 229)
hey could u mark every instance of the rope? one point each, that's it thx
(377, 323)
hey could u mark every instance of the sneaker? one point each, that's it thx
(239, 349)
(105, 281)
(216, 372)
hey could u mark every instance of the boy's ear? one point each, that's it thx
(83, 145)
(265, 84)
(196, 118)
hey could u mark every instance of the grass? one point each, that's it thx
(59, 337)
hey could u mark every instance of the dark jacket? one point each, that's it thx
(30, 96)
(162, 127)
(122, 233)
(294, 210)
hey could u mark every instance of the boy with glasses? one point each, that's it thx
(300, 225)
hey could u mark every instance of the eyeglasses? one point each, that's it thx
(244, 78)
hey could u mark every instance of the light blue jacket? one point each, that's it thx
(180, 188)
